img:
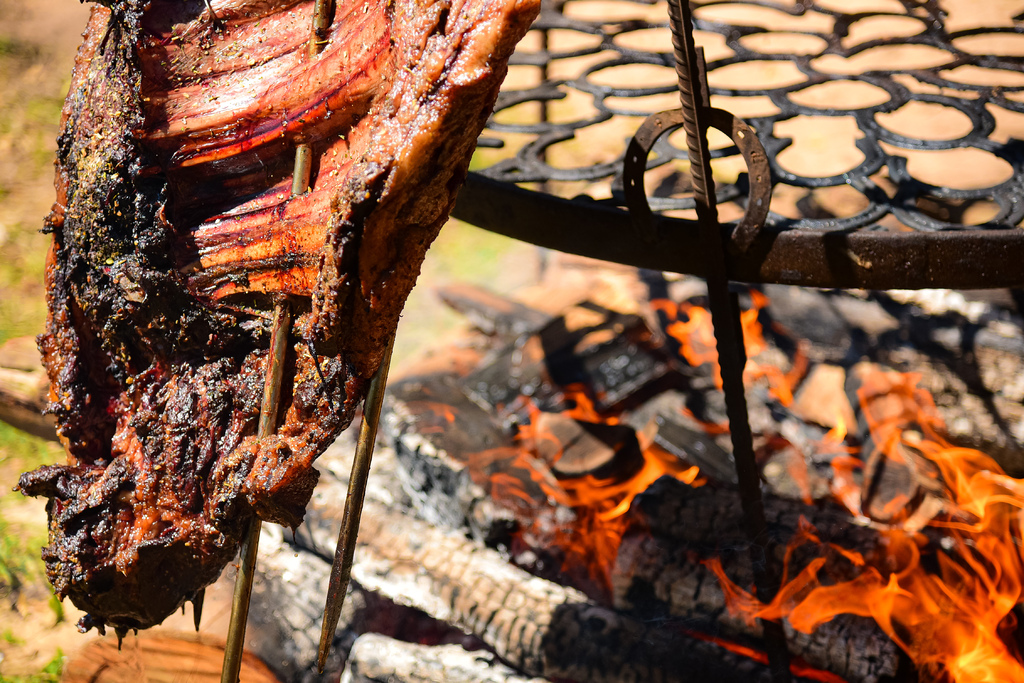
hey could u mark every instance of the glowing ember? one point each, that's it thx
(955, 624)
(591, 543)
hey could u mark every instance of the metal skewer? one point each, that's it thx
(247, 567)
(271, 392)
(341, 570)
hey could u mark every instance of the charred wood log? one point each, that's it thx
(538, 626)
(286, 610)
(659, 569)
(707, 518)
(610, 355)
(654, 576)
(492, 314)
(378, 659)
(435, 428)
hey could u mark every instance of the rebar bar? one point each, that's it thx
(725, 317)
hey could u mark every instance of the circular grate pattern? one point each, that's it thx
(887, 115)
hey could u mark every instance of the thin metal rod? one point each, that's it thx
(303, 169)
(271, 389)
(693, 95)
(318, 39)
(322, 14)
(341, 570)
(247, 567)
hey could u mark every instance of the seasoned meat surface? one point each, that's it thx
(174, 231)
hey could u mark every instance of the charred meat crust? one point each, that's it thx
(171, 232)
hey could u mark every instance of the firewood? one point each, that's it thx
(435, 426)
(540, 627)
(379, 659)
(659, 569)
(24, 389)
(574, 448)
(653, 575)
(492, 314)
(610, 355)
(706, 518)
(287, 607)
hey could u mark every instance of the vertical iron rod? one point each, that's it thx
(341, 570)
(726, 319)
(247, 566)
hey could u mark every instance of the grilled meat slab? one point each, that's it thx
(174, 231)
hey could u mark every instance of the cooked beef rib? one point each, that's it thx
(174, 232)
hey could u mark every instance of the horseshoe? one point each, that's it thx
(742, 135)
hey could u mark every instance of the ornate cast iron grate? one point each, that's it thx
(917, 104)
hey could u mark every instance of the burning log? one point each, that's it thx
(611, 355)
(661, 568)
(653, 576)
(706, 518)
(379, 659)
(540, 627)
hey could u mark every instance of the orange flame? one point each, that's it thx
(515, 478)
(954, 623)
(691, 326)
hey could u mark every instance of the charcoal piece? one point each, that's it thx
(493, 314)
(809, 314)
(436, 429)
(573, 448)
(608, 355)
(665, 421)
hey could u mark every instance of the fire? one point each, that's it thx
(691, 326)
(955, 623)
(948, 604)
(591, 543)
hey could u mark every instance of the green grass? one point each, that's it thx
(50, 673)
(22, 299)
(19, 544)
(32, 93)
(461, 254)
(21, 450)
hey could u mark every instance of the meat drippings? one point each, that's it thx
(173, 231)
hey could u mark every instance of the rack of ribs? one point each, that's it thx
(174, 233)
